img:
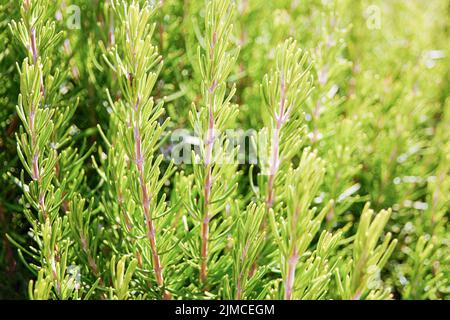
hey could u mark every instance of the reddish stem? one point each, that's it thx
(289, 284)
(146, 199)
(274, 161)
(207, 196)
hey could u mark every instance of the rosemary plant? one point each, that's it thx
(213, 176)
(136, 63)
(223, 149)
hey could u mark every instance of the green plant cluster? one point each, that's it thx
(222, 149)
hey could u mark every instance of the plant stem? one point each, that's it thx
(35, 160)
(274, 160)
(207, 189)
(146, 199)
(292, 260)
(289, 283)
(208, 170)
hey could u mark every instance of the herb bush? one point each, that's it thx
(224, 149)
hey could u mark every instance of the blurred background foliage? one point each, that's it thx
(379, 115)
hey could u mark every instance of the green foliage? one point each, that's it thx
(213, 172)
(361, 277)
(224, 149)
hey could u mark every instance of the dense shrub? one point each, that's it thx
(224, 149)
